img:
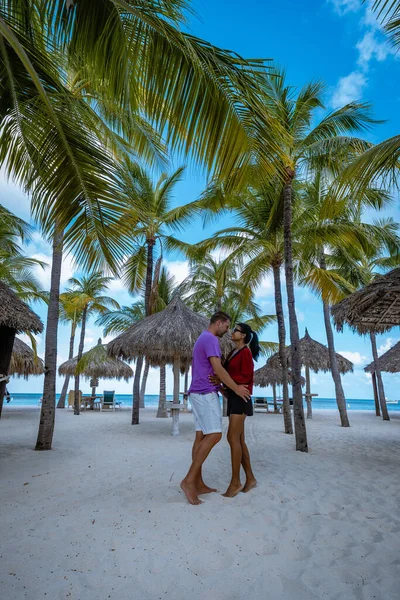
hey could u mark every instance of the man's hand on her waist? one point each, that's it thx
(243, 392)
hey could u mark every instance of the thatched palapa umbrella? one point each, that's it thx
(96, 364)
(167, 337)
(15, 317)
(373, 309)
(271, 374)
(315, 356)
(24, 362)
(389, 362)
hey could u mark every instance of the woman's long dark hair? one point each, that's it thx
(251, 340)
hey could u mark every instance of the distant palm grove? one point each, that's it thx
(100, 99)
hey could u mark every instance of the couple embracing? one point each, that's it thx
(234, 379)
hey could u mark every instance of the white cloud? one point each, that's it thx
(266, 288)
(178, 268)
(371, 48)
(355, 357)
(44, 275)
(349, 89)
(345, 6)
(389, 342)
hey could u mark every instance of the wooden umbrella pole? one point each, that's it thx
(308, 393)
(274, 397)
(376, 398)
(7, 341)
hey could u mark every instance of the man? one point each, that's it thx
(206, 403)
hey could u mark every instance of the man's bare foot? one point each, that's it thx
(190, 492)
(202, 488)
(249, 485)
(233, 490)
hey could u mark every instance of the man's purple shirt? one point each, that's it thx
(207, 345)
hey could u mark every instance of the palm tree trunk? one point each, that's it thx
(77, 402)
(144, 382)
(162, 409)
(274, 397)
(149, 275)
(287, 416)
(136, 391)
(47, 411)
(7, 336)
(176, 370)
(308, 393)
(299, 422)
(61, 401)
(381, 390)
(376, 396)
(340, 398)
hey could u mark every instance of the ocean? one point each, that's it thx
(151, 401)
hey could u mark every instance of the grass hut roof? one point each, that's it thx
(24, 362)
(316, 356)
(97, 364)
(15, 314)
(163, 337)
(374, 308)
(389, 362)
(271, 374)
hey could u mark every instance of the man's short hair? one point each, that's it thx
(220, 316)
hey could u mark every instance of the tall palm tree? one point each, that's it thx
(302, 147)
(70, 312)
(118, 321)
(87, 293)
(256, 240)
(388, 13)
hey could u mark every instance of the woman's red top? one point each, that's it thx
(241, 367)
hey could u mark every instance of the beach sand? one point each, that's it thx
(102, 516)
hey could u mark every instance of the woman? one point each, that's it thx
(240, 367)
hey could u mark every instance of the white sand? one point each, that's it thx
(102, 516)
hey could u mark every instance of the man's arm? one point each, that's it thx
(240, 390)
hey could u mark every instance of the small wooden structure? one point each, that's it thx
(388, 362)
(271, 375)
(24, 361)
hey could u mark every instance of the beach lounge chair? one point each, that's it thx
(108, 401)
(71, 398)
(260, 403)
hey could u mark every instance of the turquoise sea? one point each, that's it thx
(151, 401)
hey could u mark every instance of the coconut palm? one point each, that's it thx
(16, 269)
(87, 293)
(69, 313)
(118, 321)
(388, 13)
(256, 240)
(302, 147)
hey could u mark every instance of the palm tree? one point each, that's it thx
(87, 293)
(16, 269)
(301, 148)
(257, 242)
(118, 321)
(388, 12)
(69, 313)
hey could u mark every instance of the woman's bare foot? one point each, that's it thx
(190, 492)
(249, 485)
(202, 488)
(233, 490)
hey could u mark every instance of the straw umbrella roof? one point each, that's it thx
(164, 337)
(23, 361)
(97, 364)
(271, 374)
(316, 356)
(374, 308)
(15, 314)
(390, 361)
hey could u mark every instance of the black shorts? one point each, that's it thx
(238, 406)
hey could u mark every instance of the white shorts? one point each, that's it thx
(207, 412)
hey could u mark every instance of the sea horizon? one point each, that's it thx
(21, 400)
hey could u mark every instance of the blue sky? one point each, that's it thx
(336, 41)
